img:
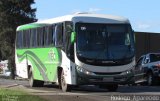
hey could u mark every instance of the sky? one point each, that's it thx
(144, 15)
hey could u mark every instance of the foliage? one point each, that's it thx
(12, 14)
(17, 95)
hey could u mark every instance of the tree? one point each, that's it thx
(12, 14)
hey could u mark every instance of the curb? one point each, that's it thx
(9, 86)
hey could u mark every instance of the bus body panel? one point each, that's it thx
(43, 62)
(69, 69)
(21, 67)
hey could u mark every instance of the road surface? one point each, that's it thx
(88, 93)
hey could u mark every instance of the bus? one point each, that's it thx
(78, 49)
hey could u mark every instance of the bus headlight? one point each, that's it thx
(130, 71)
(82, 70)
(126, 72)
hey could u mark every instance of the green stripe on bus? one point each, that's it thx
(30, 26)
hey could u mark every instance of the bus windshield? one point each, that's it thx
(104, 41)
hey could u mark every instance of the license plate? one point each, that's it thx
(108, 79)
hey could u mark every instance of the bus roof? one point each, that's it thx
(80, 17)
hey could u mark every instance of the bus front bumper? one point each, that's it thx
(126, 77)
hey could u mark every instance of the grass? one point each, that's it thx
(17, 95)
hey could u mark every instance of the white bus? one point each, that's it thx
(78, 49)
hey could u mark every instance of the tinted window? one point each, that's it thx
(40, 37)
(24, 38)
(154, 57)
(59, 34)
(53, 34)
(19, 39)
(33, 40)
(45, 38)
(67, 36)
(50, 36)
(27, 38)
(101, 41)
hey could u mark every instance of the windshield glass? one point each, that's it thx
(104, 41)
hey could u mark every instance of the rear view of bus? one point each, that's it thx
(78, 49)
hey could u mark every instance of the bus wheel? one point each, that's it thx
(32, 82)
(113, 87)
(64, 86)
(39, 83)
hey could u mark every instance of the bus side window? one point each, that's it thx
(33, 38)
(19, 39)
(69, 47)
(53, 34)
(24, 38)
(27, 38)
(50, 36)
(67, 35)
(59, 35)
(41, 37)
(47, 36)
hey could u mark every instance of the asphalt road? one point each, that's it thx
(88, 93)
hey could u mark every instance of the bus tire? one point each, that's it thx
(39, 83)
(64, 86)
(112, 88)
(32, 82)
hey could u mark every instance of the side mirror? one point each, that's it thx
(73, 37)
